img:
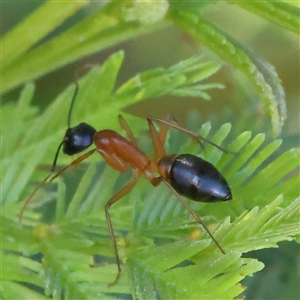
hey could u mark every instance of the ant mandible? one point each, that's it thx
(185, 174)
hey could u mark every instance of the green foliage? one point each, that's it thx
(119, 21)
(277, 12)
(100, 30)
(262, 75)
(164, 252)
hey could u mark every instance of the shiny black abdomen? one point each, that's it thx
(199, 180)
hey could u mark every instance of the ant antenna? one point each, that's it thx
(72, 104)
(68, 125)
(56, 157)
(65, 139)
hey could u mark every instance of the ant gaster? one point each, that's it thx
(184, 174)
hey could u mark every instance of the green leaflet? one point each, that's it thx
(162, 249)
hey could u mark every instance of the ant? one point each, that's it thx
(185, 174)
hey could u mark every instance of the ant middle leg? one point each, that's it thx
(120, 194)
(126, 127)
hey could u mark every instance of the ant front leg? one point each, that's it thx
(45, 180)
(20, 215)
(74, 163)
(120, 194)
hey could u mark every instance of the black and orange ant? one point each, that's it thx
(185, 174)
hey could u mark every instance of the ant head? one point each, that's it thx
(78, 138)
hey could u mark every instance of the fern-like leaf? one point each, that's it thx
(164, 253)
(263, 76)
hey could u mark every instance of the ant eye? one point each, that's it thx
(78, 138)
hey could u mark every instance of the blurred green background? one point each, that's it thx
(280, 278)
(163, 48)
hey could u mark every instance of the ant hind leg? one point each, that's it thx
(172, 122)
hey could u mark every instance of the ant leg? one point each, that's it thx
(156, 138)
(195, 216)
(195, 136)
(73, 163)
(126, 127)
(124, 191)
(164, 129)
(20, 215)
(161, 135)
